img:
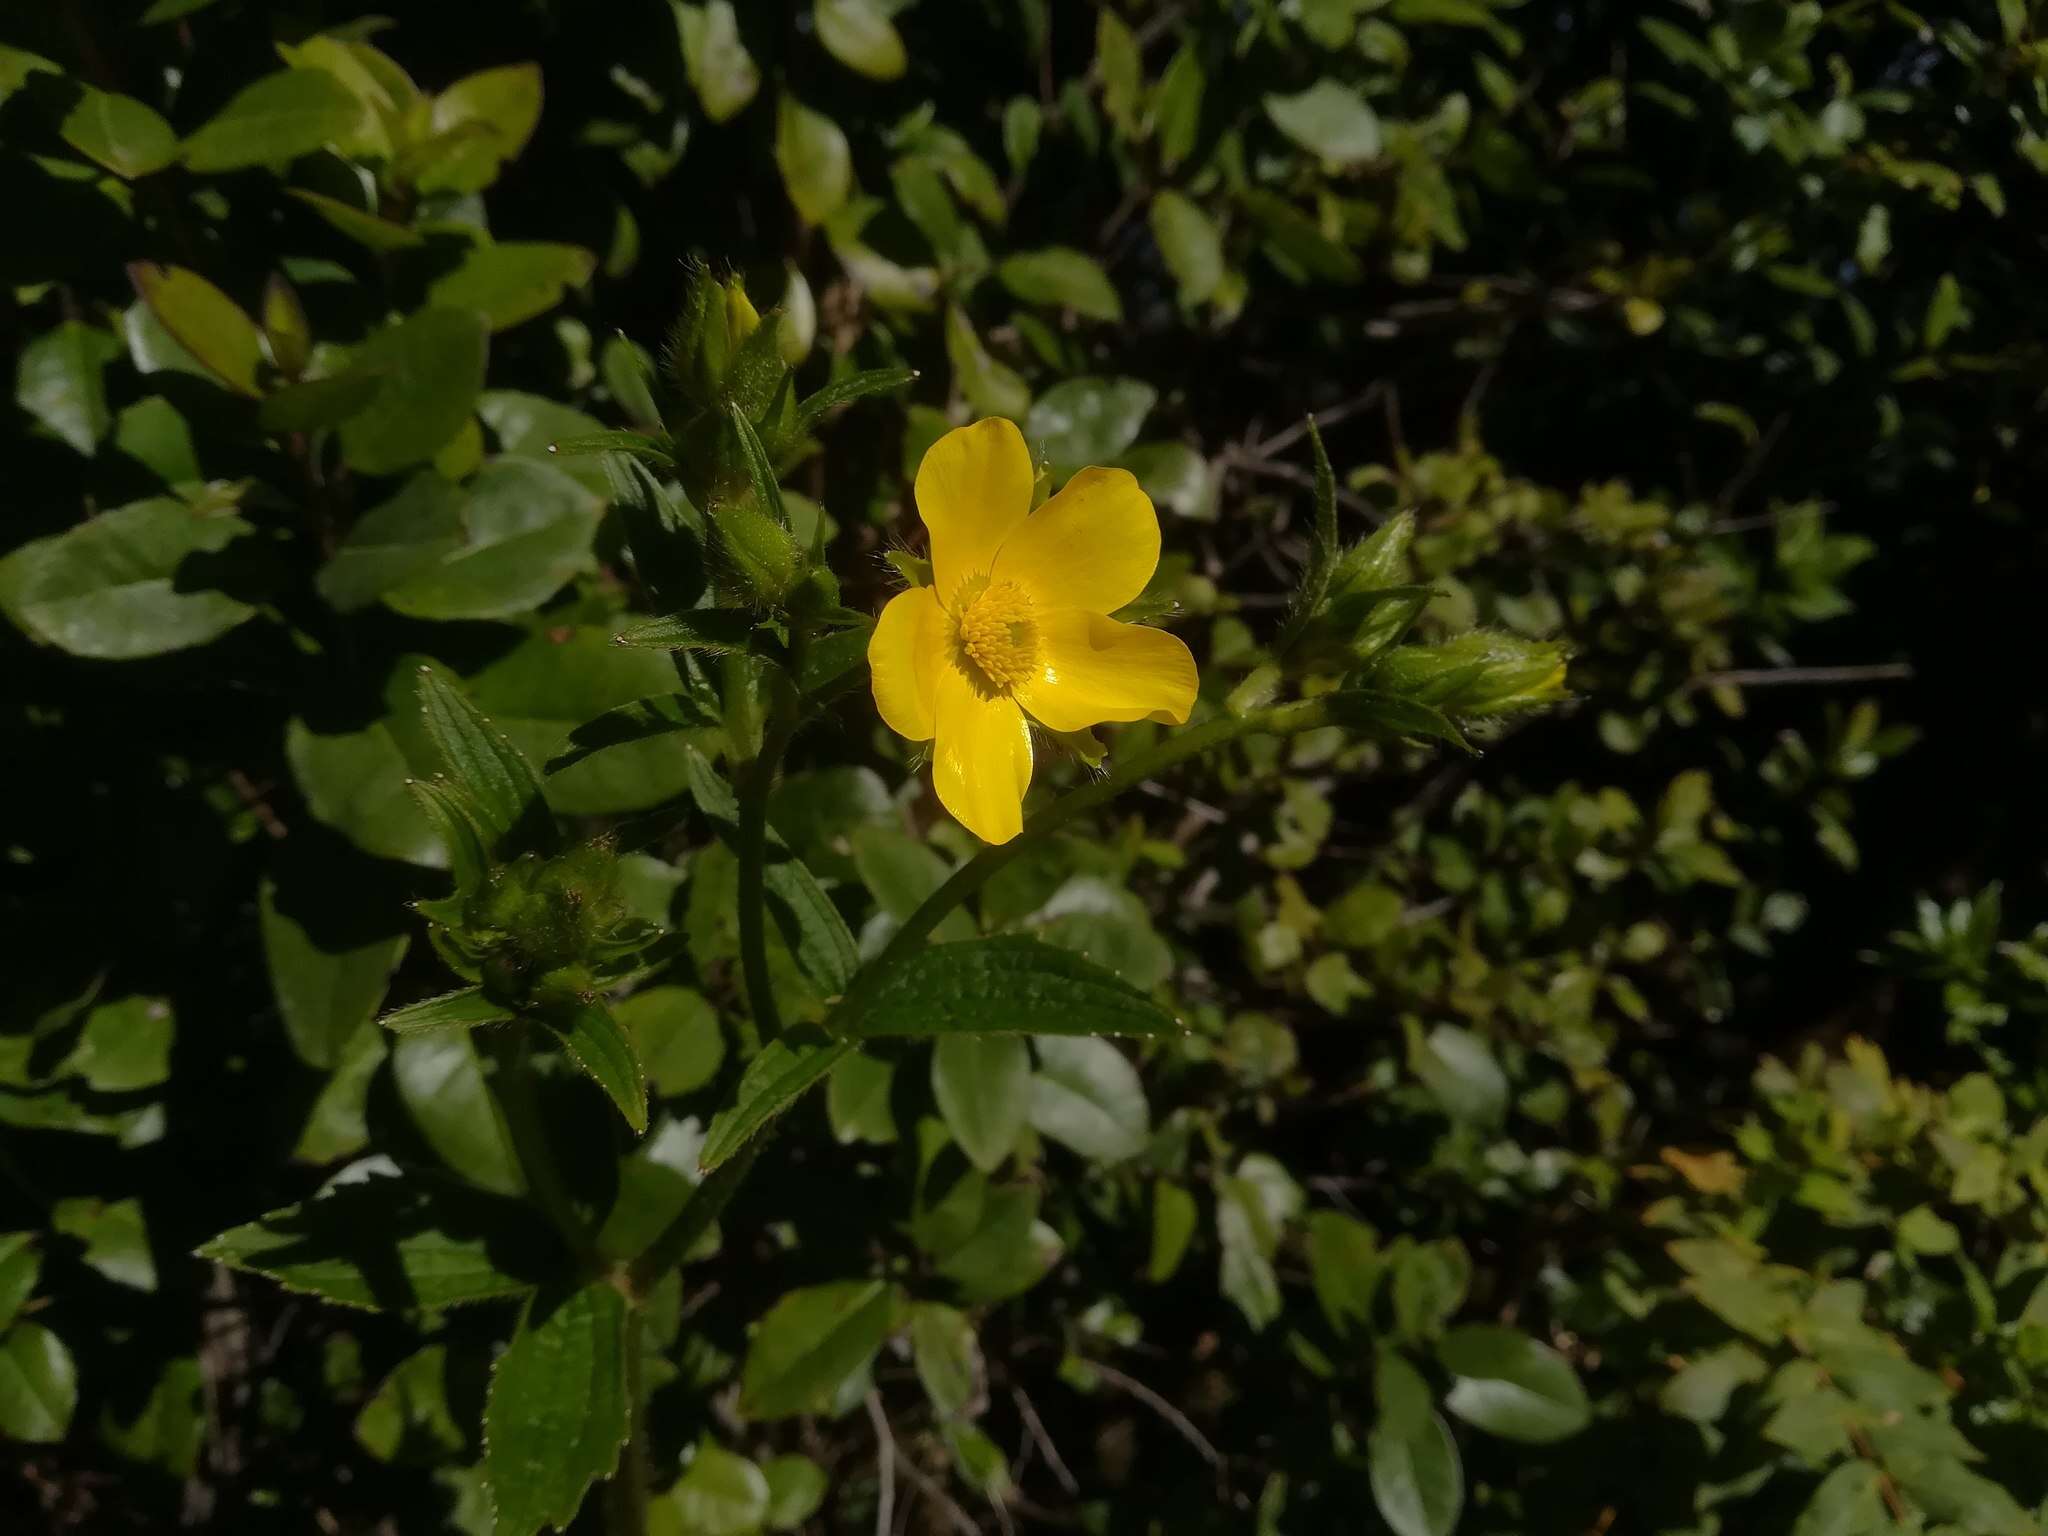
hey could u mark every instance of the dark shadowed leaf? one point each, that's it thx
(1512, 1386)
(136, 581)
(1417, 1481)
(393, 1244)
(279, 118)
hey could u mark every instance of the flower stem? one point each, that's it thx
(716, 1192)
(756, 781)
(1280, 720)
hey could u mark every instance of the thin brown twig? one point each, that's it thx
(1159, 1405)
(1293, 474)
(927, 1485)
(1752, 465)
(1772, 677)
(1036, 1426)
(885, 1466)
(1287, 437)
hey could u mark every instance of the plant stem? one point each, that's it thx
(716, 1192)
(516, 1096)
(627, 1493)
(704, 1206)
(754, 786)
(1281, 720)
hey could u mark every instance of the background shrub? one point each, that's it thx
(1635, 1125)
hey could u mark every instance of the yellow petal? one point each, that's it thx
(905, 654)
(973, 487)
(1093, 669)
(981, 762)
(1093, 546)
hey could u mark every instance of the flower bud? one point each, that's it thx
(715, 318)
(758, 556)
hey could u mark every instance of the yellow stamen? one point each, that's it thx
(997, 632)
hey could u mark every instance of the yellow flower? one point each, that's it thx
(1015, 622)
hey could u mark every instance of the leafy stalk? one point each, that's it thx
(754, 787)
(514, 1083)
(1280, 720)
(717, 1190)
(1322, 555)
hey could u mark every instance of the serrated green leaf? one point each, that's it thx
(1006, 985)
(465, 1009)
(597, 1043)
(480, 759)
(557, 1413)
(854, 386)
(391, 1244)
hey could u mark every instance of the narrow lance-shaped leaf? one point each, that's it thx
(641, 720)
(716, 631)
(495, 773)
(1322, 556)
(760, 472)
(597, 1043)
(465, 1009)
(855, 386)
(454, 815)
(638, 444)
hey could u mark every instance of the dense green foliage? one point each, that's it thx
(1626, 1115)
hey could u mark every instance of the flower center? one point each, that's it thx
(997, 633)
